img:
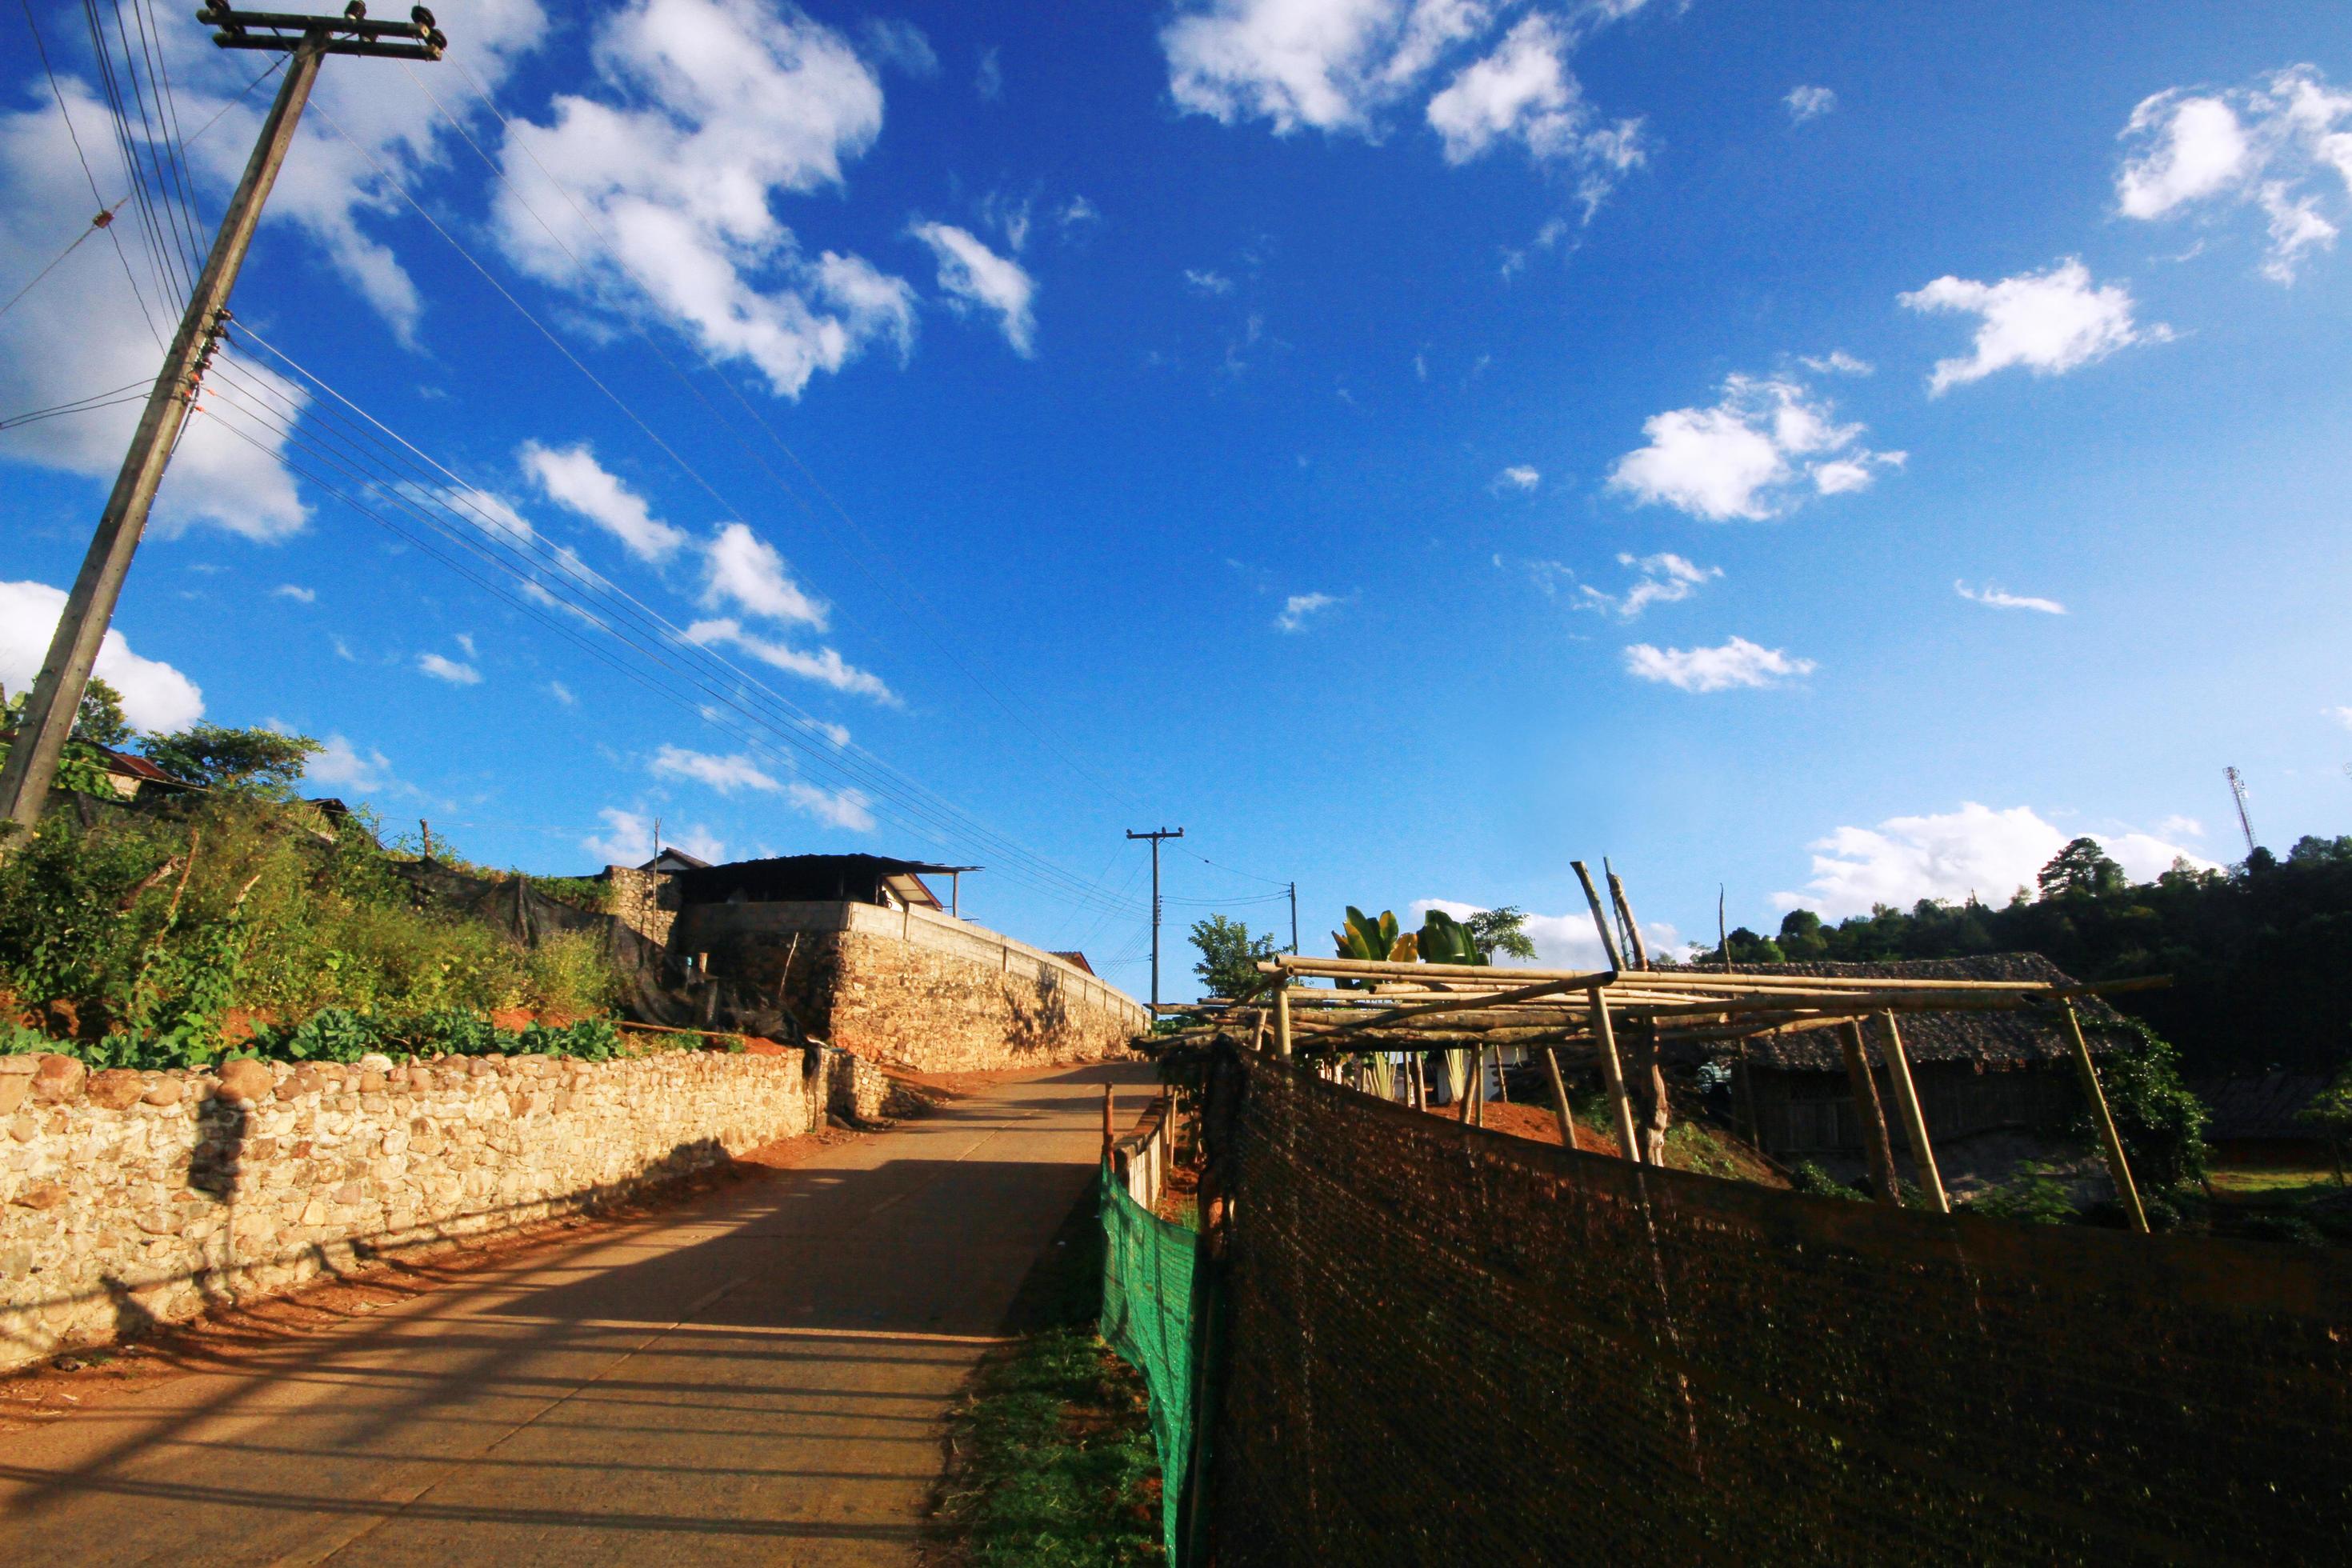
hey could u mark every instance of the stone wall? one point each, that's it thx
(130, 1197)
(909, 986)
(645, 901)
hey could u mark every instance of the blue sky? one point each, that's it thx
(1837, 453)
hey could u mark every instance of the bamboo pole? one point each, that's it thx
(1915, 1121)
(1872, 1118)
(1599, 921)
(1282, 1021)
(2117, 1166)
(1420, 1083)
(1559, 1100)
(1641, 954)
(1612, 1074)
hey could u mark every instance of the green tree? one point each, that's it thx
(2082, 870)
(1501, 929)
(1229, 954)
(99, 722)
(249, 762)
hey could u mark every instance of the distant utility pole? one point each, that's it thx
(56, 699)
(1294, 918)
(1156, 838)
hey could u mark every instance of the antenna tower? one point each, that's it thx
(2237, 793)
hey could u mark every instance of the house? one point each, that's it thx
(808, 878)
(131, 774)
(1977, 1074)
(1077, 961)
(672, 859)
(2258, 1119)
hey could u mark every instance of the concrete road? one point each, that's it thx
(762, 1373)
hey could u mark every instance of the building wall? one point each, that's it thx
(645, 901)
(130, 1197)
(1801, 1113)
(915, 988)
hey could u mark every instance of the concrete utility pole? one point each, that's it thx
(1156, 838)
(56, 699)
(1294, 918)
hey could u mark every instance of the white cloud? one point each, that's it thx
(466, 641)
(1299, 607)
(2263, 144)
(1974, 851)
(1809, 103)
(154, 695)
(1207, 282)
(1662, 579)
(707, 112)
(844, 808)
(295, 592)
(903, 45)
(742, 568)
(2180, 827)
(562, 693)
(1562, 941)
(725, 774)
(2341, 715)
(824, 665)
(974, 275)
(2050, 323)
(1342, 66)
(1520, 477)
(1749, 456)
(836, 734)
(1837, 362)
(1077, 216)
(1736, 663)
(343, 765)
(572, 478)
(988, 81)
(80, 332)
(628, 839)
(1999, 600)
(448, 670)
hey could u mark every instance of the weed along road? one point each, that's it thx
(761, 1373)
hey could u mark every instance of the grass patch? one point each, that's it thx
(1053, 1463)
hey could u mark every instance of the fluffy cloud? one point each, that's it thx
(825, 666)
(706, 110)
(2341, 715)
(1204, 281)
(844, 808)
(295, 592)
(1524, 93)
(1996, 599)
(573, 477)
(1755, 453)
(2258, 145)
(628, 839)
(82, 331)
(1662, 579)
(1342, 66)
(742, 569)
(1809, 103)
(2050, 323)
(154, 695)
(975, 277)
(449, 670)
(1974, 851)
(1518, 476)
(1562, 941)
(1298, 609)
(1736, 663)
(343, 765)
(725, 774)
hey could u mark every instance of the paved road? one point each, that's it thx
(760, 1375)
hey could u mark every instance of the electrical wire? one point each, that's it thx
(137, 391)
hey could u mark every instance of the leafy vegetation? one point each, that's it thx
(1229, 954)
(239, 921)
(2261, 954)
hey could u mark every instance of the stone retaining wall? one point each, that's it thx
(914, 988)
(132, 1197)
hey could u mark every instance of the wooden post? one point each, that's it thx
(1599, 921)
(1110, 1137)
(1914, 1119)
(2117, 1166)
(1257, 1036)
(1282, 1020)
(1867, 1112)
(1559, 1100)
(1420, 1082)
(1612, 1074)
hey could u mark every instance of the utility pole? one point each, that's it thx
(1156, 838)
(1294, 919)
(56, 699)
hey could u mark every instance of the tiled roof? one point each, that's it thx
(1988, 1039)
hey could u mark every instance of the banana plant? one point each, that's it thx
(1445, 939)
(1364, 937)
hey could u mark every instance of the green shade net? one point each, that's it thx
(1148, 1311)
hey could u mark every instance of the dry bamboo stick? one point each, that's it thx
(1867, 1112)
(1915, 1121)
(1358, 968)
(1612, 1074)
(1641, 954)
(1560, 1100)
(1282, 1021)
(1599, 921)
(2117, 1165)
